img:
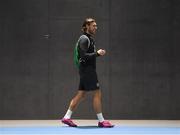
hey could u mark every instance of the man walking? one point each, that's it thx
(86, 61)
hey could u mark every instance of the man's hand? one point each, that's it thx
(101, 52)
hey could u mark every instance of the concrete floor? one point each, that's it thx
(132, 123)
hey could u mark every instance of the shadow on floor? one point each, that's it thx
(87, 127)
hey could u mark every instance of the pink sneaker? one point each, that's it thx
(68, 122)
(105, 124)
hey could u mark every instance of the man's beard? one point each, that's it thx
(92, 32)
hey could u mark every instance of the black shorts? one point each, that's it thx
(88, 80)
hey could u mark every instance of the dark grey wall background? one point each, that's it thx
(139, 76)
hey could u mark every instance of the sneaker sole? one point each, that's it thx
(69, 124)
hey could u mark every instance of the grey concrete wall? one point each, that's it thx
(144, 59)
(139, 76)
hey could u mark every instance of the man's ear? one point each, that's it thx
(87, 26)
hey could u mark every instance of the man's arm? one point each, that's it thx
(83, 44)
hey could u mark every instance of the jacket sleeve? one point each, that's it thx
(83, 44)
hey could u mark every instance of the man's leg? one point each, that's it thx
(97, 103)
(76, 100)
(73, 105)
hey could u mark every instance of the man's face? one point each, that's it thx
(91, 29)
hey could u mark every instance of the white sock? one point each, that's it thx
(100, 117)
(68, 114)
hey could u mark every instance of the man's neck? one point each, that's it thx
(91, 35)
